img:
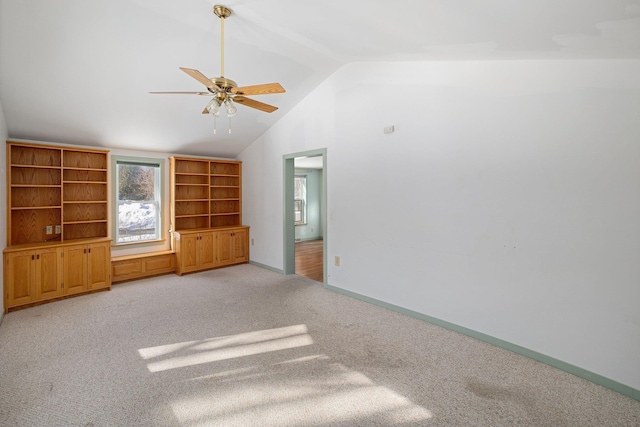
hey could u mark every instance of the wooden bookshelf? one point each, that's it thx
(84, 180)
(55, 193)
(225, 190)
(206, 194)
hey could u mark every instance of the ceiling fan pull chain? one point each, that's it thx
(229, 123)
(215, 125)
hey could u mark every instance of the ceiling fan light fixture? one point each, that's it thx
(213, 107)
(231, 107)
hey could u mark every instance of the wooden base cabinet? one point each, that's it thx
(195, 251)
(86, 267)
(198, 250)
(232, 246)
(36, 273)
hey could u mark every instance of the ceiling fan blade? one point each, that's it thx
(181, 93)
(201, 78)
(259, 89)
(255, 104)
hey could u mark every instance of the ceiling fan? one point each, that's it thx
(225, 91)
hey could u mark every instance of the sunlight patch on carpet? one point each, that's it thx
(190, 353)
(310, 399)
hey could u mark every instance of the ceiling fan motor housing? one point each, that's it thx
(222, 83)
(222, 11)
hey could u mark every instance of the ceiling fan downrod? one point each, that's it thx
(222, 12)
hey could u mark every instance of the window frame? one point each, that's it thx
(159, 194)
(302, 201)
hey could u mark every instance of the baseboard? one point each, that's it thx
(547, 360)
(267, 267)
(1, 316)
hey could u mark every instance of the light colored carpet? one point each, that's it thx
(244, 346)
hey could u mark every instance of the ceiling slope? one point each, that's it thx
(79, 72)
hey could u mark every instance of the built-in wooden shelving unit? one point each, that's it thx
(206, 214)
(57, 223)
(55, 193)
(206, 193)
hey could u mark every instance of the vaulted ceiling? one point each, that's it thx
(79, 72)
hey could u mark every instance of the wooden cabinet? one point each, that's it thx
(55, 193)
(232, 246)
(87, 267)
(194, 251)
(98, 265)
(35, 273)
(206, 253)
(201, 250)
(48, 277)
(75, 269)
(206, 214)
(38, 276)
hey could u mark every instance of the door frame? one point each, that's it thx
(289, 264)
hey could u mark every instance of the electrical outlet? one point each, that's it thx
(58, 229)
(49, 229)
(337, 261)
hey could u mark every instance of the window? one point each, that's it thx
(138, 195)
(300, 199)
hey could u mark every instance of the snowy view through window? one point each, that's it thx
(137, 221)
(138, 198)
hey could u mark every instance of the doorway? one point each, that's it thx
(305, 231)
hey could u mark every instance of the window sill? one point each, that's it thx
(139, 243)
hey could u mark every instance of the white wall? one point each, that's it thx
(3, 192)
(507, 201)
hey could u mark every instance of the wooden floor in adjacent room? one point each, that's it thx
(310, 259)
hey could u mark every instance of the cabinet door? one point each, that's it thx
(48, 274)
(74, 269)
(98, 266)
(240, 245)
(224, 248)
(206, 250)
(20, 277)
(188, 253)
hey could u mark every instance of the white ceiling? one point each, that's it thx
(79, 72)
